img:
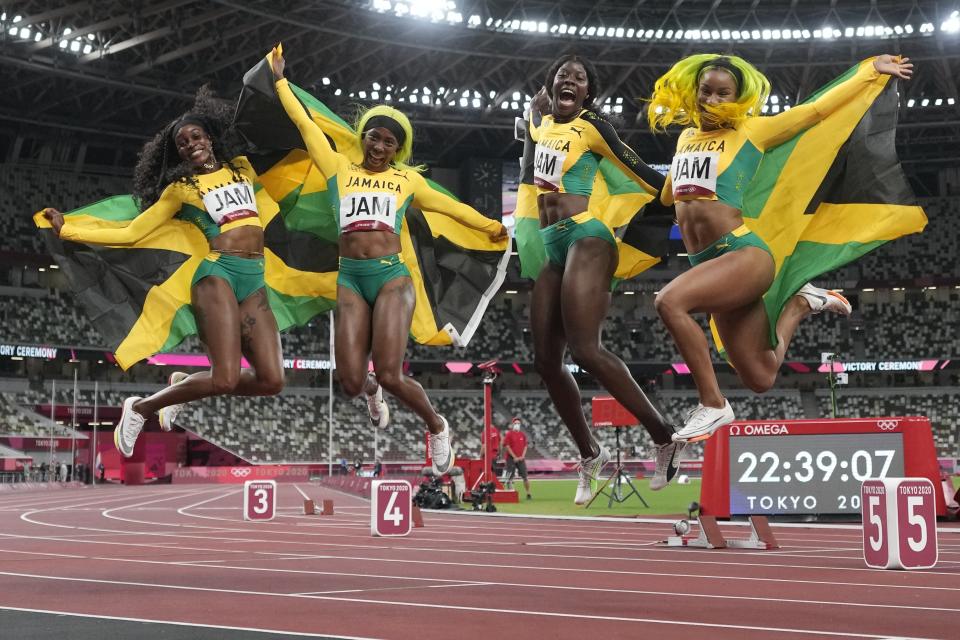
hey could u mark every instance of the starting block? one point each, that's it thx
(326, 508)
(710, 536)
(309, 508)
(417, 517)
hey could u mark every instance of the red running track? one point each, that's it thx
(183, 554)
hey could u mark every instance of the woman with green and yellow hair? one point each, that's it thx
(375, 292)
(719, 100)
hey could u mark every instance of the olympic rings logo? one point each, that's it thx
(734, 430)
(242, 472)
(887, 425)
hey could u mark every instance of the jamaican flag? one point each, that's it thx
(455, 270)
(616, 200)
(833, 192)
(138, 296)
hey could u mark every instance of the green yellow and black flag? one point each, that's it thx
(455, 270)
(616, 200)
(138, 296)
(833, 192)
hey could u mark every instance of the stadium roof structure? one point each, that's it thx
(108, 74)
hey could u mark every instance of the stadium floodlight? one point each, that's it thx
(454, 16)
(464, 102)
(775, 99)
(424, 99)
(25, 34)
(630, 32)
(908, 28)
(401, 9)
(938, 102)
(514, 105)
(848, 32)
(951, 24)
(516, 95)
(591, 31)
(925, 102)
(755, 34)
(620, 32)
(659, 33)
(911, 102)
(374, 95)
(542, 27)
(362, 95)
(382, 5)
(504, 105)
(725, 34)
(926, 27)
(951, 101)
(765, 34)
(337, 92)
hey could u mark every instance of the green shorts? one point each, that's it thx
(244, 275)
(560, 236)
(367, 277)
(737, 239)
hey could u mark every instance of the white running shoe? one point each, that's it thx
(589, 469)
(668, 463)
(130, 426)
(824, 300)
(703, 421)
(379, 411)
(168, 415)
(441, 451)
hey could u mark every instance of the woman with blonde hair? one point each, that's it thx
(719, 98)
(375, 294)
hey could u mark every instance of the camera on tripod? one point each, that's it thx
(481, 497)
(431, 496)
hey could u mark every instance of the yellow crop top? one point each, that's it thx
(218, 203)
(719, 164)
(367, 200)
(568, 155)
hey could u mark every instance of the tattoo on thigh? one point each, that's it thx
(246, 330)
(263, 303)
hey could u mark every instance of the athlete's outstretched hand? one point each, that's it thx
(55, 218)
(897, 66)
(277, 63)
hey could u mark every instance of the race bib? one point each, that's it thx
(368, 211)
(695, 174)
(548, 168)
(231, 202)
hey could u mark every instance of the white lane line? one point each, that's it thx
(264, 555)
(422, 586)
(473, 552)
(448, 607)
(179, 623)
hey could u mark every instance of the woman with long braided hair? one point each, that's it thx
(189, 170)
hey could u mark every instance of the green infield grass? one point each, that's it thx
(555, 497)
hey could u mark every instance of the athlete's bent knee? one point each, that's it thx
(225, 382)
(586, 356)
(759, 382)
(390, 380)
(352, 385)
(272, 383)
(667, 306)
